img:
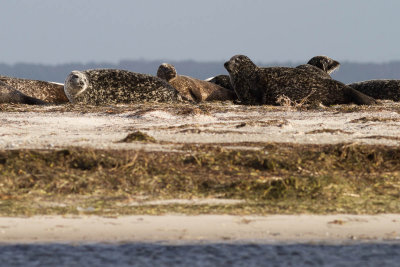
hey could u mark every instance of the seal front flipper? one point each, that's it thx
(359, 98)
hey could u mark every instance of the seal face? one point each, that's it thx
(255, 86)
(194, 89)
(379, 89)
(10, 95)
(111, 86)
(321, 65)
(46, 91)
(77, 82)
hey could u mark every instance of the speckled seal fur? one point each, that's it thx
(47, 91)
(194, 89)
(379, 89)
(222, 80)
(10, 95)
(255, 86)
(321, 65)
(111, 86)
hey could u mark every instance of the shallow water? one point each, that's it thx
(200, 255)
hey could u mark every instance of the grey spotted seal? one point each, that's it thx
(379, 89)
(46, 91)
(321, 65)
(254, 85)
(10, 95)
(111, 86)
(192, 88)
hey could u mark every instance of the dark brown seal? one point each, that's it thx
(111, 86)
(379, 89)
(321, 65)
(47, 91)
(194, 89)
(10, 95)
(255, 86)
(222, 80)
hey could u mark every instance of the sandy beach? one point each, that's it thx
(333, 229)
(222, 125)
(217, 124)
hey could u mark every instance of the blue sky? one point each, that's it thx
(65, 31)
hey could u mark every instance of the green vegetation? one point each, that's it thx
(279, 178)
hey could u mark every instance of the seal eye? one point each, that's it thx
(74, 76)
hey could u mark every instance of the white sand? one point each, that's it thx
(238, 124)
(204, 228)
(55, 130)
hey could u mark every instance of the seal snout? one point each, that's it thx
(226, 65)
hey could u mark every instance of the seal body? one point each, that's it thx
(47, 91)
(111, 86)
(255, 86)
(321, 65)
(10, 95)
(222, 80)
(194, 89)
(379, 89)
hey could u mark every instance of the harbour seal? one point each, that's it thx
(254, 85)
(222, 80)
(10, 95)
(321, 65)
(46, 91)
(379, 89)
(111, 86)
(194, 89)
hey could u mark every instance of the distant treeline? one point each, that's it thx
(348, 72)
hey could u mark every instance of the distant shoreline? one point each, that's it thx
(349, 71)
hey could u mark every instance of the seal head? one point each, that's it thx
(321, 65)
(324, 63)
(166, 71)
(75, 84)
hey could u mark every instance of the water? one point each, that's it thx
(200, 255)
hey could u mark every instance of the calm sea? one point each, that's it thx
(139, 254)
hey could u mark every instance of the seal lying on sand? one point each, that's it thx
(379, 89)
(194, 89)
(107, 86)
(10, 95)
(255, 86)
(321, 65)
(47, 91)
